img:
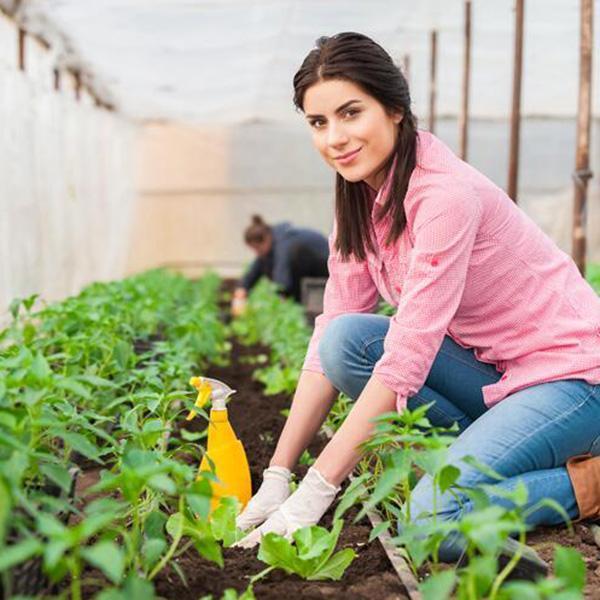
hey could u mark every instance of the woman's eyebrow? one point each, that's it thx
(337, 110)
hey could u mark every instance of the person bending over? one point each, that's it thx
(284, 254)
(494, 324)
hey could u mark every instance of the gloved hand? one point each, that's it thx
(238, 302)
(304, 507)
(275, 488)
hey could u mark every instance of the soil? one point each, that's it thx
(257, 420)
(582, 539)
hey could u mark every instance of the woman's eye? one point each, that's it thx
(319, 123)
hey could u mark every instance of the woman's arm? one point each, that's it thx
(311, 404)
(318, 489)
(252, 275)
(342, 453)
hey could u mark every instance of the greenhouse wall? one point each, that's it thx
(66, 178)
(198, 186)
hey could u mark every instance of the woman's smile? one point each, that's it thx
(346, 159)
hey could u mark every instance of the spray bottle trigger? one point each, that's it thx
(204, 392)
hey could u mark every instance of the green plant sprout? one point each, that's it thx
(310, 555)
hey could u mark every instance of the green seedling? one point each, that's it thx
(311, 557)
(97, 379)
(306, 459)
(231, 594)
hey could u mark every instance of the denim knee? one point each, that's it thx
(335, 346)
(422, 516)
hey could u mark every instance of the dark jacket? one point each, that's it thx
(290, 245)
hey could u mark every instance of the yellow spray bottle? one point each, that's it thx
(223, 448)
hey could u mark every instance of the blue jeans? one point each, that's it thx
(526, 437)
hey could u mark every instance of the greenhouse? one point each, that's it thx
(299, 299)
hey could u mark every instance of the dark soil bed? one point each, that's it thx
(258, 421)
(544, 539)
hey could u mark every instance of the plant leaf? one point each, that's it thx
(108, 557)
(438, 586)
(570, 567)
(81, 444)
(447, 477)
(335, 567)
(20, 552)
(210, 550)
(58, 474)
(276, 551)
(73, 386)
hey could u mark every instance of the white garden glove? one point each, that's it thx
(304, 507)
(275, 488)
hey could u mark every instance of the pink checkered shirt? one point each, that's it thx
(472, 265)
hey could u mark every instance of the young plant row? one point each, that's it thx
(96, 387)
(403, 448)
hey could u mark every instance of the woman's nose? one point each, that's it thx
(336, 135)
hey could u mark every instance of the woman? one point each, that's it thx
(494, 323)
(284, 254)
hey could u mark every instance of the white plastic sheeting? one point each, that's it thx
(66, 183)
(224, 61)
(226, 67)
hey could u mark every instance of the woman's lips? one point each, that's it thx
(348, 158)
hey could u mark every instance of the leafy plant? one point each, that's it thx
(281, 325)
(98, 380)
(231, 594)
(312, 557)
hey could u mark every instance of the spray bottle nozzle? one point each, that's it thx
(207, 388)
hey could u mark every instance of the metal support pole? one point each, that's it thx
(582, 171)
(464, 113)
(57, 79)
(406, 68)
(21, 49)
(77, 77)
(432, 81)
(515, 117)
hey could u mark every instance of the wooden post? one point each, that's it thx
(582, 171)
(432, 81)
(406, 68)
(77, 76)
(515, 117)
(464, 113)
(57, 79)
(21, 49)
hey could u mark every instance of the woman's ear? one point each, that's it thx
(397, 116)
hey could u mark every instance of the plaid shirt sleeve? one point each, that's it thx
(444, 229)
(349, 289)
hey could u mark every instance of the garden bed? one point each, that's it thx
(582, 540)
(100, 383)
(258, 421)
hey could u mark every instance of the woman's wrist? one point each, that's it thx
(280, 461)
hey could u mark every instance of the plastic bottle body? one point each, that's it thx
(229, 460)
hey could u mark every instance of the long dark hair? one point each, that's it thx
(357, 58)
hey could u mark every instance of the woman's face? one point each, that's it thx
(262, 248)
(352, 130)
